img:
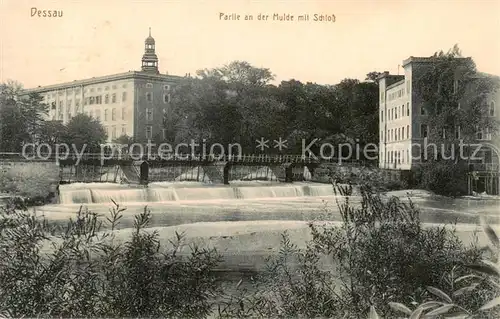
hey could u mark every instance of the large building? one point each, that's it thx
(404, 127)
(130, 103)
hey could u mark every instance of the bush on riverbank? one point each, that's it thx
(33, 182)
(444, 178)
(87, 275)
(381, 254)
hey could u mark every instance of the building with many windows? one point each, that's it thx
(404, 127)
(130, 103)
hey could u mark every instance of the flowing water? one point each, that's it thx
(245, 220)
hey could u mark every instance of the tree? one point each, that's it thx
(52, 132)
(21, 116)
(85, 131)
(454, 96)
(373, 76)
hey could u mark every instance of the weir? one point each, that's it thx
(94, 193)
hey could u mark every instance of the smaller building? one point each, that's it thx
(404, 128)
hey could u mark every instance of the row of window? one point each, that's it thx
(99, 89)
(398, 134)
(396, 95)
(394, 112)
(113, 131)
(166, 97)
(78, 90)
(398, 157)
(97, 114)
(395, 134)
(91, 100)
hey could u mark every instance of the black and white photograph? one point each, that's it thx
(250, 159)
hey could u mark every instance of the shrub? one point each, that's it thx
(86, 274)
(445, 178)
(381, 254)
(373, 178)
(29, 181)
(474, 295)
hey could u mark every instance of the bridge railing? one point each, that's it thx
(247, 158)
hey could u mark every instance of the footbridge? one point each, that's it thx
(143, 169)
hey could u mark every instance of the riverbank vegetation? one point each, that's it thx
(380, 256)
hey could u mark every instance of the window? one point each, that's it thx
(124, 96)
(407, 131)
(105, 114)
(92, 90)
(382, 116)
(77, 102)
(98, 99)
(92, 100)
(124, 112)
(106, 88)
(98, 114)
(492, 108)
(114, 87)
(164, 133)
(166, 87)
(61, 104)
(487, 133)
(69, 115)
(149, 132)
(113, 132)
(423, 130)
(149, 85)
(113, 98)
(407, 156)
(149, 96)
(91, 113)
(407, 108)
(457, 132)
(124, 130)
(124, 85)
(106, 99)
(403, 110)
(479, 135)
(113, 115)
(396, 112)
(403, 132)
(149, 114)
(107, 130)
(99, 89)
(86, 101)
(422, 110)
(381, 135)
(166, 98)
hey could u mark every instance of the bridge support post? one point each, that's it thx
(144, 173)
(227, 168)
(289, 173)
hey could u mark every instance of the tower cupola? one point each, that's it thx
(149, 59)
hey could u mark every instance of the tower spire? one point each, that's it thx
(149, 31)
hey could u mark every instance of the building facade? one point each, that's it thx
(131, 103)
(403, 121)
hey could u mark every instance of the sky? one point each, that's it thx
(96, 38)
